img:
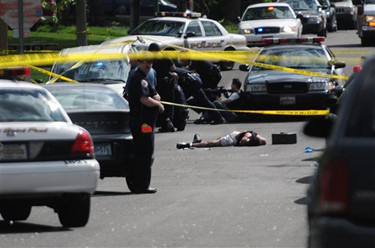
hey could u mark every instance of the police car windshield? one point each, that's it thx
(160, 27)
(28, 105)
(269, 12)
(293, 57)
(115, 70)
(301, 4)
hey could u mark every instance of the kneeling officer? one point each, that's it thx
(144, 105)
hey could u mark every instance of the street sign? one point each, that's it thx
(32, 12)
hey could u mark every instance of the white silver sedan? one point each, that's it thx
(176, 33)
(269, 20)
(44, 158)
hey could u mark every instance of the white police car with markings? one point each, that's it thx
(45, 160)
(176, 31)
(269, 20)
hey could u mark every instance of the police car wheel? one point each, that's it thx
(16, 212)
(226, 65)
(75, 210)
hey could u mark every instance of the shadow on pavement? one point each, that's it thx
(22, 227)
(109, 193)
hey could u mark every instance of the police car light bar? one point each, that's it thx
(179, 14)
(293, 40)
(15, 72)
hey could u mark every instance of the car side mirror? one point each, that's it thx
(318, 127)
(337, 64)
(333, 5)
(239, 18)
(189, 34)
(299, 15)
(340, 64)
(244, 67)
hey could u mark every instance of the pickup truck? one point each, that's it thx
(366, 21)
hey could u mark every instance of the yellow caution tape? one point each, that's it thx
(50, 58)
(52, 74)
(264, 112)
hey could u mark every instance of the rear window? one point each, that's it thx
(89, 99)
(31, 105)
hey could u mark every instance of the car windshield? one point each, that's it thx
(271, 12)
(111, 71)
(88, 98)
(293, 57)
(301, 4)
(160, 27)
(28, 105)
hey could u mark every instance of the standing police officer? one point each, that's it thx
(144, 107)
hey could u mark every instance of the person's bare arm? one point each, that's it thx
(150, 102)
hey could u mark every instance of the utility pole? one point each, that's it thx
(81, 23)
(3, 37)
(20, 26)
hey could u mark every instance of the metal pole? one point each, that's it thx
(20, 25)
(156, 8)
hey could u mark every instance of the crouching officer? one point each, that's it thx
(144, 107)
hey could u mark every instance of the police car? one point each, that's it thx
(178, 31)
(278, 86)
(269, 20)
(45, 160)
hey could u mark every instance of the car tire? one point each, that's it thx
(75, 210)
(16, 212)
(137, 184)
(365, 41)
(227, 65)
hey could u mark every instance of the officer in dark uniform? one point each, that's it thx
(165, 88)
(144, 107)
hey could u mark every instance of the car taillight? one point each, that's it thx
(335, 188)
(83, 145)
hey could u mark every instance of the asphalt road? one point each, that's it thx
(219, 197)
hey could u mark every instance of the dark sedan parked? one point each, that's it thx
(267, 88)
(105, 114)
(312, 15)
(341, 208)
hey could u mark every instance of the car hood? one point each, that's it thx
(37, 131)
(273, 76)
(369, 9)
(268, 23)
(142, 42)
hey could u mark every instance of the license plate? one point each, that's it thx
(267, 36)
(102, 149)
(287, 100)
(13, 152)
